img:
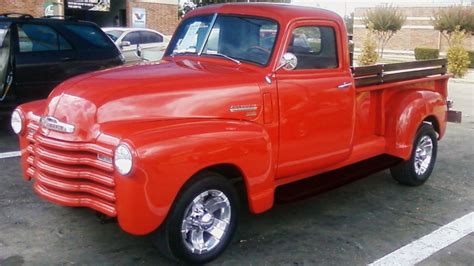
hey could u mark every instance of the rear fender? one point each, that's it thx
(405, 112)
(168, 156)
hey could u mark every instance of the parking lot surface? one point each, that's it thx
(355, 224)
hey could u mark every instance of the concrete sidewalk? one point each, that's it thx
(468, 78)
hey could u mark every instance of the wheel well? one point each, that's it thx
(234, 175)
(434, 122)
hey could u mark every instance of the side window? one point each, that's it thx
(315, 47)
(91, 35)
(38, 38)
(132, 37)
(150, 37)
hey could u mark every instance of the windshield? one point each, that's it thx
(239, 37)
(114, 34)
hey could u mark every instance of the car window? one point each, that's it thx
(91, 35)
(132, 37)
(150, 37)
(114, 34)
(38, 38)
(315, 47)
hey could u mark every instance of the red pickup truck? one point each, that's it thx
(258, 95)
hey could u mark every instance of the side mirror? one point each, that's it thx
(125, 44)
(288, 61)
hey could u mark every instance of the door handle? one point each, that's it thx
(345, 85)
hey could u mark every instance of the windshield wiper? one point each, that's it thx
(226, 57)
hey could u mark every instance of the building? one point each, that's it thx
(418, 31)
(161, 15)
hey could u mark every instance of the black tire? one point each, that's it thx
(168, 238)
(405, 173)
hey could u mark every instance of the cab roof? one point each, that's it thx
(283, 13)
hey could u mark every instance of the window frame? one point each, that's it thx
(316, 23)
(58, 34)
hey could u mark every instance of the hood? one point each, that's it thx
(155, 91)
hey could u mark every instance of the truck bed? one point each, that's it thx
(385, 73)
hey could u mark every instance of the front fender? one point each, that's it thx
(405, 112)
(168, 154)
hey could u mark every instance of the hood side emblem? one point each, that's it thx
(243, 108)
(54, 124)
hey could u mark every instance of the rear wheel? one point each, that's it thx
(418, 168)
(202, 221)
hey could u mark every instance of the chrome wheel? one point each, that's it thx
(206, 221)
(423, 155)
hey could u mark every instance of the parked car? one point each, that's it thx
(138, 43)
(166, 147)
(36, 54)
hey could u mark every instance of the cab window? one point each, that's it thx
(315, 47)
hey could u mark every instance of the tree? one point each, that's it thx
(447, 19)
(386, 21)
(458, 57)
(368, 55)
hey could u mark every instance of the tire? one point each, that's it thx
(193, 204)
(418, 168)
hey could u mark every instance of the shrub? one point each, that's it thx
(368, 54)
(458, 57)
(471, 58)
(422, 53)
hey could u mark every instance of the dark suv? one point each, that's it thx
(36, 54)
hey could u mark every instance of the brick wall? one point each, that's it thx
(160, 17)
(32, 7)
(417, 31)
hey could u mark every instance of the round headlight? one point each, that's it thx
(123, 159)
(17, 122)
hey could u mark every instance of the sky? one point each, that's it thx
(345, 7)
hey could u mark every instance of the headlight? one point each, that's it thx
(17, 122)
(123, 159)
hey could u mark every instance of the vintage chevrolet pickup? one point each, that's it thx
(258, 95)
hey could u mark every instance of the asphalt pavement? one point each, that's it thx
(355, 224)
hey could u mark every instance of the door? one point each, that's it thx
(316, 101)
(5, 65)
(152, 45)
(130, 51)
(42, 59)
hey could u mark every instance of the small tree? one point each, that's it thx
(458, 57)
(386, 21)
(368, 55)
(447, 19)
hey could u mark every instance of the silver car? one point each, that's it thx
(138, 44)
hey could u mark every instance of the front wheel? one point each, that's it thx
(202, 221)
(418, 168)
